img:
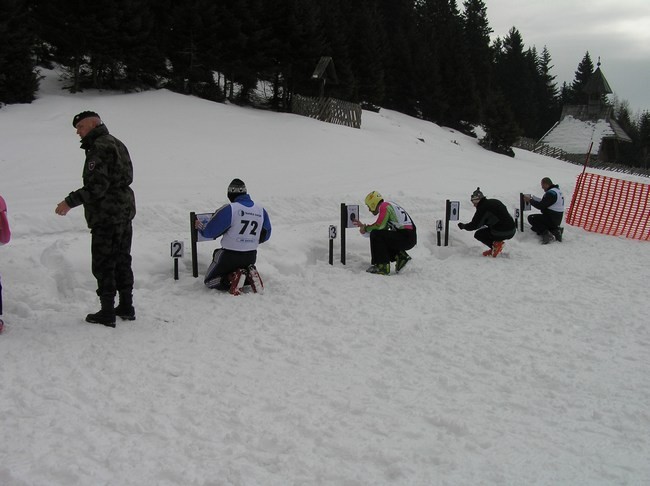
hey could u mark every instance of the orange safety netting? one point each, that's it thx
(611, 206)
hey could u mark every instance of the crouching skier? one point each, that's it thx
(243, 225)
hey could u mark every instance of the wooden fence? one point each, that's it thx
(329, 110)
(578, 159)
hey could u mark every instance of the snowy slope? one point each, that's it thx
(531, 368)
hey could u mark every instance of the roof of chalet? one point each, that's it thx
(574, 136)
(580, 125)
(597, 83)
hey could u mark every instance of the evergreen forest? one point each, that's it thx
(433, 59)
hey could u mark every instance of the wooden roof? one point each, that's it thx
(325, 70)
(597, 83)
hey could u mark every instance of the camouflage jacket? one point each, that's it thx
(107, 175)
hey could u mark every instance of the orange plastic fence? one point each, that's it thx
(611, 206)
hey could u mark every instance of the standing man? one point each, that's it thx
(547, 224)
(243, 225)
(493, 222)
(391, 234)
(109, 207)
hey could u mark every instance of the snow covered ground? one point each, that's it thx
(531, 368)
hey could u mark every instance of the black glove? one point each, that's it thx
(461, 226)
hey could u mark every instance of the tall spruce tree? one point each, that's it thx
(368, 45)
(480, 53)
(644, 140)
(547, 94)
(459, 103)
(516, 72)
(298, 43)
(501, 128)
(192, 46)
(400, 55)
(65, 26)
(18, 78)
(577, 95)
(336, 30)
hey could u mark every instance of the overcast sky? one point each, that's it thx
(616, 30)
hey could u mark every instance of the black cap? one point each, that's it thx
(236, 188)
(82, 115)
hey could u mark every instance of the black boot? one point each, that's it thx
(125, 309)
(106, 315)
(557, 233)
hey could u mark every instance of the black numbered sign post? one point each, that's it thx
(523, 206)
(439, 231)
(177, 250)
(196, 237)
(332, 238)
(349, 214)
(452, 214)
(193, 233)
(517, 216)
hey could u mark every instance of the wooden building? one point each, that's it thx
(580, 126)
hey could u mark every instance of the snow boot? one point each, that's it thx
(254, 279)
(379, 269)
(497, 247)
(125, 309)
(106, 314)
(557, 233)
(547, 237)
(237, 280)
(401, 260)
(487, 252)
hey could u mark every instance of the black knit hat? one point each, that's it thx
(82, 115)
(477, 195)
(236, 188)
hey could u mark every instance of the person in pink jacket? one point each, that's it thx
(5, 236)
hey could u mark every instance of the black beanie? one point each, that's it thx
(477, 195)
(82, 115)
(236, 188)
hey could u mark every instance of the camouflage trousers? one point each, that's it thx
(111, 258)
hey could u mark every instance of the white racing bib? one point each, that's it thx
(244, 232)
(403, 218)
(558, 205)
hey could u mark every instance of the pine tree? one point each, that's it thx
(501, 128)
(18, 79)
(547, 94)
(192, 47)
(431, 98)
(368, 45)
(336, 30)
(577, 96)
(400, 55)
(644, 140)
(515, 74)
(459, 103)
(481, 55)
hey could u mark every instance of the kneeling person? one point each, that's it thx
(548, 223)
(493, 222)
(390, 235)
(242, 226)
